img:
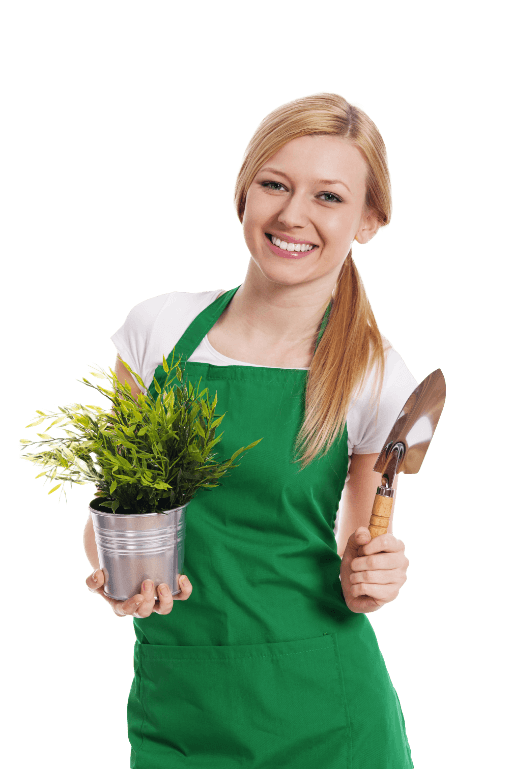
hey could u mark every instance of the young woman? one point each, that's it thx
(266, 659)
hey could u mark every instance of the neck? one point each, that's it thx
(283, 315)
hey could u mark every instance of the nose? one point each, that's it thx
(293, 212)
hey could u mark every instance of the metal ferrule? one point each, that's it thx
(392, 455)
(383, 491)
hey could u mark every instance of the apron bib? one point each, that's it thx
(264, 666)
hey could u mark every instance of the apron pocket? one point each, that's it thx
(258, 705)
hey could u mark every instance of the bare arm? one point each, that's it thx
(358, 498)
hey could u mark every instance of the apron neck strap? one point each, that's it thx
(324, 323)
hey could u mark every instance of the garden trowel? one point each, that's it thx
(407, 444)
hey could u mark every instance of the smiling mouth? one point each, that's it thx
(313, 246)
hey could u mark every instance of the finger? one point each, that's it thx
(378, 561)
(148, 594)
(382, 577)
(362, 534)
(165, 600)
(96, 584)
(95, 580)
(384, 543)
(358, 538)
(364, 604)
(122, 608)
(186, 588)
(379, 592)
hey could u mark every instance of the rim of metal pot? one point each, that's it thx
(96, 501)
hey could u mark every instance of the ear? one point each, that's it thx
(369, 225)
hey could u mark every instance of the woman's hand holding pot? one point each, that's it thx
(143, 604)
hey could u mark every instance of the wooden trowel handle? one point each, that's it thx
(380, 517)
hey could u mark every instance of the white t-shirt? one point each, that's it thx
(153, 327)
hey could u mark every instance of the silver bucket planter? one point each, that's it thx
(132, 548)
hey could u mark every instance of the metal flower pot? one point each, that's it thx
(132, 548)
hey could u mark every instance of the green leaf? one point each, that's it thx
(113, 486)
(126, 444)
(55, 488)
(200, 429)
(157, 386)
(94, 408)
(164, 365)
(244, 448)
(123, 462)
(37, 422)
(113, 505)
(252, 444)
(210, 445)
(24, 440)
(217, 422)
(55, 422)
(44, 437)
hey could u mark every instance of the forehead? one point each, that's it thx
(309, 158)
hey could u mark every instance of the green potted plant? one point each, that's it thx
(147, 457)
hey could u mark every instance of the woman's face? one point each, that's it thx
(292, 203)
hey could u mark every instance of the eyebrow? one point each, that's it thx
(318, 181)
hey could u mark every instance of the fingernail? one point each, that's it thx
(94, 575)
(184, 581)
(147, 586)
(163, 589)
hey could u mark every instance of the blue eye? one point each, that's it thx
(336, 199)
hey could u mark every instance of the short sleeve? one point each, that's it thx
(132, 340)
(370, 420)
(153, 328)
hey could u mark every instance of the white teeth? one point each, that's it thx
(283, 244)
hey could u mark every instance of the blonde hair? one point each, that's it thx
(351, 343)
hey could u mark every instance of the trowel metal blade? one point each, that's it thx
(415, 425)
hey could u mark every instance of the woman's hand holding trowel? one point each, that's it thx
(372, 571)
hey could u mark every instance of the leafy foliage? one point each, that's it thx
(148, 454)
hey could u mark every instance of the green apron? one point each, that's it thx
(264, 666)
